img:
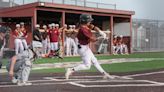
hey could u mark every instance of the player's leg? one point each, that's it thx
(114, 49)
(24, 43)
(126, 49)
(17, 71)
(74, 47)
(21, 48)
(99, 49)
(0, 61)
(118, 48)
(98, 66)
(51, 49)
(25, 75)
(16, 42)
(56, 48)
(68, 46)
(86, 58)
(44, 46)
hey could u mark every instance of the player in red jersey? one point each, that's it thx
(84, 38)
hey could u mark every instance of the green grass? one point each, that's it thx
(117, 67)
(103, 57)
(99, 57)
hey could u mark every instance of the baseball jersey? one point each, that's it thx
(38, 34)
(44, 35)
(53, 35)
(18, 33)
(23, 30)
(84, 35)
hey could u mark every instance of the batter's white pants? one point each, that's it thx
(54, 46)
(88, 59)
(18, 46)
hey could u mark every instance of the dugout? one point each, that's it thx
(111, 20)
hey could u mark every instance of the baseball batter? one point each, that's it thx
(84, 38)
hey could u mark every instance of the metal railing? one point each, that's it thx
(82, 3)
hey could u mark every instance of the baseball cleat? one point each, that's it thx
(107, 76)
(14, 80)
(69, 71)
(123, 77)
(24, 83)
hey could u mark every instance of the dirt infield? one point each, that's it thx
(148, 81)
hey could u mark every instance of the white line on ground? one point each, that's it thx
(77, 84)
(80, 80)
(143, 74)
(3, 86)
(126, 85)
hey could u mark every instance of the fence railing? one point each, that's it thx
(82, 3)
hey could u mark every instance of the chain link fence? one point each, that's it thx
(148, 35)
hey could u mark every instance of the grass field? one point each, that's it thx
(103, 57)
(115, 68)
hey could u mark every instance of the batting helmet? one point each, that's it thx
(85, 18)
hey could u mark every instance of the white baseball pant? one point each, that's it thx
(68, 46)
(18, 46)
(88, 59)
(24, 42)
(54, 46)
(74, 45)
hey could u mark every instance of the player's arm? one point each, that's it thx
(97, 29)
(36, 37)
(11, 71)
(25, 33)
(91, 37)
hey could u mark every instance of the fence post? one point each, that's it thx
(84, 3)
(97, 5)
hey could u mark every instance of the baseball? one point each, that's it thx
(146, 40)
